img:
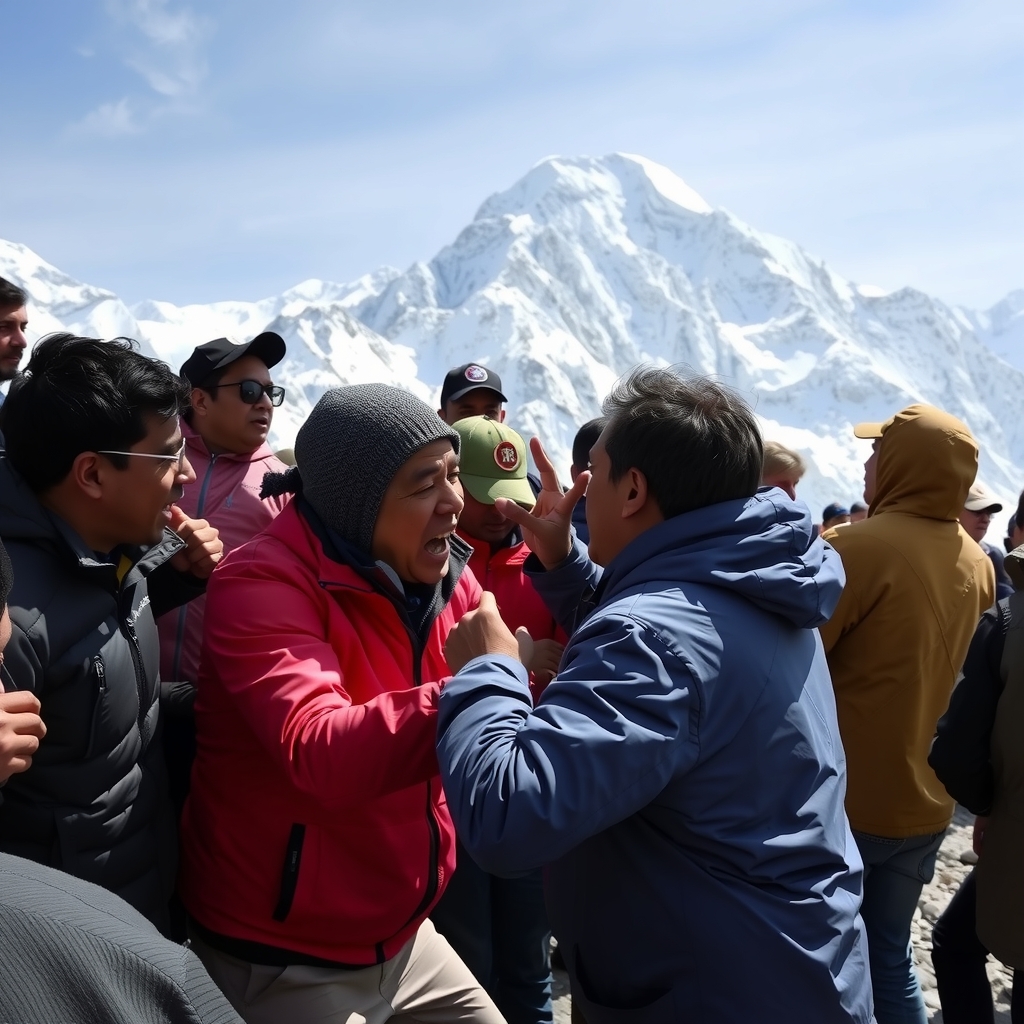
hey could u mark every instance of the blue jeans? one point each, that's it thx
(895, 871)
(499, 927)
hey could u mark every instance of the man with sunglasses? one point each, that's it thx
(95, 465)
(225, 431)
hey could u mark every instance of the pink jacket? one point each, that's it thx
(227, 494)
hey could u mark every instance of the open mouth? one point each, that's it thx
(438, 546)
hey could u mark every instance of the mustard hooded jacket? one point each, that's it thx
(916, 585)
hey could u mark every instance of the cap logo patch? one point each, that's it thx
(506, 456)
(476, 374)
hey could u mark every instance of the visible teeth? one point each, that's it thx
(437, 545)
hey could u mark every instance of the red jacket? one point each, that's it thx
(517, 600)
(226, 492)
(316, 821)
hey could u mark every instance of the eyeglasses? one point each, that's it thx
(178, 457)
(251, 391)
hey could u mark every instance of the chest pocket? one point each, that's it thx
(115, 705)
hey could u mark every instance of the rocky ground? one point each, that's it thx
(950, 871)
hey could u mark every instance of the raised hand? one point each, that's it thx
(203, 546)
(21, 729)
(546, 528)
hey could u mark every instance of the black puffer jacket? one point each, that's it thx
(94, 803)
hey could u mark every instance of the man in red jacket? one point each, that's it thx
(316, 838)
(498, 925)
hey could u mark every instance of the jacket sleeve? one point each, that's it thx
(525, 784)
(852, 606)
(169, 589)
(22, 667)
(567, 589)
(961, 751)
(265, 646)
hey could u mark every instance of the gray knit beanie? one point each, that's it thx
(352, 445)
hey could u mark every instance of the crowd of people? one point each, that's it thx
(346, 732)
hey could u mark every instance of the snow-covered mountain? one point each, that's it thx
(586, 267)
(1001, 327)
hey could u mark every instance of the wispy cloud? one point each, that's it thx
(884, 137)
(108, 121)
(166, 46)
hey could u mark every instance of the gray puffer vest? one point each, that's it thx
(94, 803)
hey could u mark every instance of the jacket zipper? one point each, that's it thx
(433, 829)
(290, 871)
(435, 842)
(179, 639)
(128, 630)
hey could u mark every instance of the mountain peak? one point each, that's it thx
(580, 270)
(617, 180)
(665, 182)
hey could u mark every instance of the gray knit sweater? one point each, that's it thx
(71, 951)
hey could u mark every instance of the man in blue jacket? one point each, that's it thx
(682, 777)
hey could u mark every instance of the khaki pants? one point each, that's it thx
(424, 982)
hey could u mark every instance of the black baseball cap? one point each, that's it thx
(214, 355)
(466, 378)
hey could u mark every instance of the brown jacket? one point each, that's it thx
(1000, 870)
(916, 585)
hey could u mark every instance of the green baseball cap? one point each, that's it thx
(492, 462)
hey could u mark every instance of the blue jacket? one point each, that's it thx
(682, 777)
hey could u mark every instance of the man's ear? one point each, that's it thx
(636, 493)
(501, 418)
(201, 400)
(88, 473)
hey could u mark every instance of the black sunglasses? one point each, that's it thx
(250, 391)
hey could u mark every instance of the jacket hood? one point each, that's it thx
(194, 440)
(927, 461)
(22, 517)
(763, 548)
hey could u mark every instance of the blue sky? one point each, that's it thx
(224, 149)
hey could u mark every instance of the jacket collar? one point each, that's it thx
(194, 441)
(371, 576)
(762, 548)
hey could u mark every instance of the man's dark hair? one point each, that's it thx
(83, 395)
(585, 439)
(11, 296)
(696, 441)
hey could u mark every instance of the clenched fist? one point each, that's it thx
(479, 632)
